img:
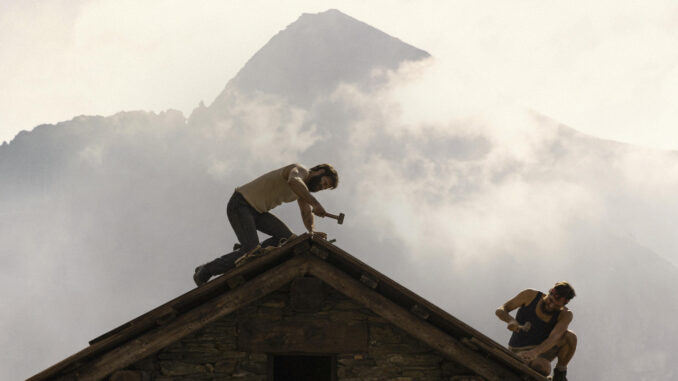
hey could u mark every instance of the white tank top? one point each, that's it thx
(268, 191)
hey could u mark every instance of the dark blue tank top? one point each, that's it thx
(539, 330)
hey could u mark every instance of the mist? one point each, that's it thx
(460, 194)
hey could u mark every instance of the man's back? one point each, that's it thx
(268, 191)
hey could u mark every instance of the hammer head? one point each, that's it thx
(340, 220)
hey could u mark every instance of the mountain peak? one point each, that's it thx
(328, 13)
(317, 52)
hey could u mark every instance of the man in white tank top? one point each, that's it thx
(249, 206)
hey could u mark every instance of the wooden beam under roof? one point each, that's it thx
(439, 318)
(139, 335)
(182, 303)
(191, 321)
(411, 323)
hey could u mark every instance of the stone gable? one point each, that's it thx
(305, 318)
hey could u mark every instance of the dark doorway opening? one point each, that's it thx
(303, 368)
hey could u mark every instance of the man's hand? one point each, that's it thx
(318, 210)
(319, 235)
(513, 326)
(528, 356)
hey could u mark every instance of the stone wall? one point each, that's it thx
(217, 353)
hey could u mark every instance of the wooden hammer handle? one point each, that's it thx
(339, 218)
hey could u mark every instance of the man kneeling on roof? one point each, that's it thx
(539, 329)
(248, 211)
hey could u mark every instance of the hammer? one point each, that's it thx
(339, 218)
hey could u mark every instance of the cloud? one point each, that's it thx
(453, 180)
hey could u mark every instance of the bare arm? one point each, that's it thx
(522, 299)
(295, 180)
(306, 215)
(308, 205)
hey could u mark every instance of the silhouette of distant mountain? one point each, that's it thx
(316, 53)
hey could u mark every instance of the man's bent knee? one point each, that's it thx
(570, 338)
(541, 365)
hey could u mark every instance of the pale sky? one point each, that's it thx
(606, 68)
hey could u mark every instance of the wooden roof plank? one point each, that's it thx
(409, 322)
(142, 333)
(193, 320)
(525, 368)
(147, 321)
(443, 317)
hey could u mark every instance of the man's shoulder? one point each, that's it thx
(529, 292)
(526, 296)
(298, 168)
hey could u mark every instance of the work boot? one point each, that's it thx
(201, 275)
(559, 375)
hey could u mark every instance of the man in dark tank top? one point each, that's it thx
(540, 328)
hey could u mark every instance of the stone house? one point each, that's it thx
(305, 311)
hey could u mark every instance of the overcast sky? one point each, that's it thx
(606, 68)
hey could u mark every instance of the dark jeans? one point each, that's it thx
(245, 221)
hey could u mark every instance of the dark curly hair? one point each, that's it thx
(328, 170)
(565, 290)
